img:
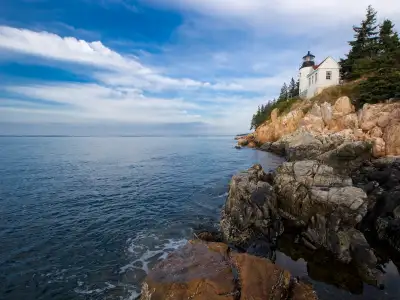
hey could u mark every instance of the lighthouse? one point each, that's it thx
(305, 69)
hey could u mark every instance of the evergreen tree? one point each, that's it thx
(388, 38)
(363, 48)
(284, 93)
(383, 80)
(297, 89)
(292, 88)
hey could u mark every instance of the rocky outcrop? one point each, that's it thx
(337, 150)
(378, 124)
(210, 271)
(248, 208)
(327, 208)
(322, 205)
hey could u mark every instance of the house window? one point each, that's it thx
(328, 75)
(309, 81)
(316, 77)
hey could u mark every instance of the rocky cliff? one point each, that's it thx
(378, 124)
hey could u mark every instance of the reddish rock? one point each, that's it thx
(196, 271)
(207, 271)
(260, 279)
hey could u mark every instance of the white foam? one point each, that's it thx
(87, 291)
(144, 255)
(223, 195)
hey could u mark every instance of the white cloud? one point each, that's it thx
(95, 102)
(284, 13)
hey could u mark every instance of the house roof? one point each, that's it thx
(317, 66)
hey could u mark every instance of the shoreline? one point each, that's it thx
(258, 218)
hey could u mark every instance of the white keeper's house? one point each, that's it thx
(314, 78)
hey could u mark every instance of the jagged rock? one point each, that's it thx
(348, 156)
(327, 208)
(209, 271)
(247, 211)
(308, 195)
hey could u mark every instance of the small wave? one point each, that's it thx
(147, 249)
(223, 195)
(147, 254)
(87, 291)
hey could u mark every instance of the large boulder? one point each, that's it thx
(343, 106)
(348, 156)
(210, 271)
(313, 119)
(326, 207)
(248, 209)
(302, 145)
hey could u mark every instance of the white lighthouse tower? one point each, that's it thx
(305, 69)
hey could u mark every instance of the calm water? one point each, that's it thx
(85, 218)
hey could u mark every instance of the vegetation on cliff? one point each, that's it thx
(375, 57)
(288, 95)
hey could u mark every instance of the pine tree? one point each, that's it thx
(297, 89)
(363, 48)
(388, 38)
(383, 82)
(292, 88)
(284, 92)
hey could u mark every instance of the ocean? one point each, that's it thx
(87, 217)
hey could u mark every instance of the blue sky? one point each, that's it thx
(159, 66)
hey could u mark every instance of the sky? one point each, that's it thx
(126, 67)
